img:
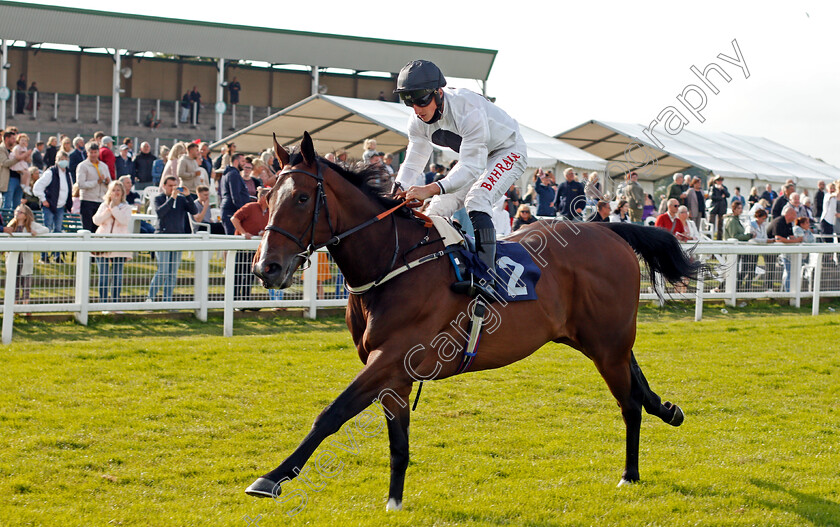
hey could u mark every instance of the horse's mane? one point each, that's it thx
(373, 180)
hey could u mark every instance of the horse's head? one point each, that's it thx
(297, 221)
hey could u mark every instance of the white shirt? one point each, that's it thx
(829, 209)
(760, 231)
(39, 189)
(482, 128)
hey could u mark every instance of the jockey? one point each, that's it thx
(492, 153)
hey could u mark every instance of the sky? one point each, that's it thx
(561, 64)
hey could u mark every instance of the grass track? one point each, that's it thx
(130, 424)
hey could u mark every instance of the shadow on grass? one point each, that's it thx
(138, 326)
(814, 509)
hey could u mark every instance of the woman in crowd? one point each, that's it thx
(523, 217)
(803, 229)
(753, 198)
(51, 151)
(23, 221)
(262, 173)
(758, 228)
(251, 183)
(66, 145)
(621, 214)
(112, 217)
(159, 164)
(695, 200)
(171, 166)
(762, 204)
(649, 208)
(24, 154)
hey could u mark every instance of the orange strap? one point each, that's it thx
(427, 221)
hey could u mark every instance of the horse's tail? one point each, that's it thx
(661, 253)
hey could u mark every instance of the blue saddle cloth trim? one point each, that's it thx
(516, 273)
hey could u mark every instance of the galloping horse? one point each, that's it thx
(403, 329)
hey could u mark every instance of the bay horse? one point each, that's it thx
(403, 329)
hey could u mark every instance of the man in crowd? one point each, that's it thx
(769, 194)
(818, 199)
(782, 200)
(234, 87)
(38, 156)
(172, 207)
(635, 198)
(546, 190)
(204, 214)
(677, 190)
(570, 198)
(232, 192)
(77, 155)
(54, 190)
(195, 103)
(187, 169)
(143, 163)
(204, 160)
(781, 230)
(669, 221)
(738, 197)
(106, 155)
(124, 165)
(93, 177)
(602, 214)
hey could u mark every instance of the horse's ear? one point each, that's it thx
(280, 153)
(307, 149)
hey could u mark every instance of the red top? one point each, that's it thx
(252, 218)
(107, 157)
(673, 226)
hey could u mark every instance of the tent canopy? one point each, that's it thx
(344, 123)
(729, 155)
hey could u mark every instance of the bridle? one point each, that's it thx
(321, 201)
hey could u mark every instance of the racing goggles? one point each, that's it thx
(421, 98)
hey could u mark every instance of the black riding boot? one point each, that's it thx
(485, 243)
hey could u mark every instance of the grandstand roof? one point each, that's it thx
(729, 155)
(344, 123)
(101, 29)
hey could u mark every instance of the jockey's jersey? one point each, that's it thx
(470, 125)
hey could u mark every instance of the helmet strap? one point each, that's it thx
(439, 110)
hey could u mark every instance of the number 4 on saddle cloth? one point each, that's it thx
(516, 275)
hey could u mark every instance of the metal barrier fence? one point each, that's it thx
(81, 273)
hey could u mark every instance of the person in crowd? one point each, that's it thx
(143, 163)
(20, 94)
(227, 155)
(571, 197)
(158, 165)
(129, 142)
(523, 217)
(719, 195)
(10, 179)
(171, 167)
(249, 221)
(753, 198)
(38, 156)
(695, 200)
(798, 206)
(769, 194)
(830, 213)
(678, 189)
(106, 155)
(749, 262)
(783, 200)
(733, 228)
(186, 107)
(819, 197)
(803, 230)
(545, 190)
(649, 209)
(690, 230)
(370, 149)
(204, 160)
(388, 161)
(23, 153)
(809, 211)
(151, 120)
(172, 207)
(65, 145)
(187, 169)
(762, 204)
(76, 156)
(513, 199)
(251, 183)
(204, 214)
(23, 221)
(234, 87)
(621, 214)
(233, 192)
(93, 179)
(669, 221)
(602, 213)
(131, 197)
(112, 217)
(124, 164)
(32, 101)
(195, 101)
(54, 190)
(738, 197)
(592, 187)
(781, 230)
(29, 198)
(97, 137)
(635, 197)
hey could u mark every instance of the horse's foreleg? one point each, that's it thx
(629, 396)
(398, 416)
(668, 412)
(375, 377)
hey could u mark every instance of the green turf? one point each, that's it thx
(137, 422)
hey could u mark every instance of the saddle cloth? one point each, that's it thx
(516, 274)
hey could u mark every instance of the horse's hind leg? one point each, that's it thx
(398, 415)
(668, 412)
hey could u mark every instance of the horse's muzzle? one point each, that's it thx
(275, 276)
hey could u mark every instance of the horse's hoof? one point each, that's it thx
(263, 488)
(393, 505)
(678, 417)
(624, 482)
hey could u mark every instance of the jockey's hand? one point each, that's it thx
(422, 193)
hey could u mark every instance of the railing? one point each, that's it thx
(213, 272)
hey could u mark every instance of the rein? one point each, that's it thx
(321, 199)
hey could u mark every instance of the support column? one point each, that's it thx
(220, 97)
(115, 98)
(316, 80)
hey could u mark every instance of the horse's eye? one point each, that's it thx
(303, 198)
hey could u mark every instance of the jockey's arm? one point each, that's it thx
(417, 156)
(472, 159)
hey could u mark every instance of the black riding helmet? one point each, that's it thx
(418, 84)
